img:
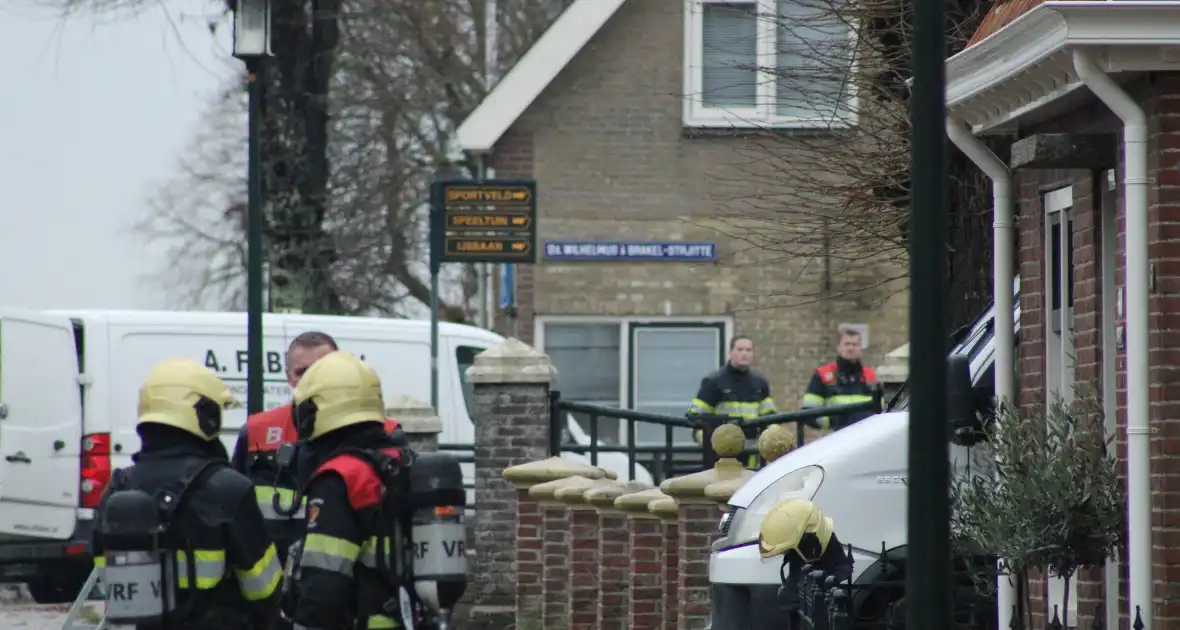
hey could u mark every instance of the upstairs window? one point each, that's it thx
(769, 63)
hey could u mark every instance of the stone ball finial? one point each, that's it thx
(728, 440)
(777, 440)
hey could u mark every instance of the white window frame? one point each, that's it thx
(626, 369)
(695, 113)
(1059, 343)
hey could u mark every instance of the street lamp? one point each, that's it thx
(252, 45)
(929, 592)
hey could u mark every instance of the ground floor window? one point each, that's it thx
(645, 364)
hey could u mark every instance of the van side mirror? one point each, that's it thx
(960, 401)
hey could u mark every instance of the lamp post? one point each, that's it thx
(929, 596)
(252, 45)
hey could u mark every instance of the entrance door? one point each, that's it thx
(40, 425)
(668, 362)
(1059, 346)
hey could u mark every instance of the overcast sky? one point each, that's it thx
(94, 112)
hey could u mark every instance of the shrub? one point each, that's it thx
(1042, 493)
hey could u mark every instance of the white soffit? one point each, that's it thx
(1025, 64)
(533, 73)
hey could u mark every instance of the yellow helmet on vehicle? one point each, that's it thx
(795, 525)
(337, 391)
(184, 394)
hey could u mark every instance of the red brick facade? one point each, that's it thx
(1093, 199)
(647, 569)
(614, 552)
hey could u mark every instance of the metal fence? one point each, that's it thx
(826, 604)
(668, 458)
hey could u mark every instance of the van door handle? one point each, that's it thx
(18, 458)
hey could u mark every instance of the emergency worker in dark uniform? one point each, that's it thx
(735, 390)
(799, 532)
(264, 433)
(338, 577)
(844, 381)
(237, 569)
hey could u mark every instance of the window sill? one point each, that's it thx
(713, 126)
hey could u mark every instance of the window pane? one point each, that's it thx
(729, 64)
(587, 360)
(813, 60)
(669, 366)
(1055, 263)
(1069, 258)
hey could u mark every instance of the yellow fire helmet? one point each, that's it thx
(337, 391)
(184, 394)
(795, 525)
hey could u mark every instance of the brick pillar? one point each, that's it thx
(418, 419)
(698, 517)
(646, 539)
(542, 554)
(614, 553)
(583, 544)
(669, 514)
(511, 384)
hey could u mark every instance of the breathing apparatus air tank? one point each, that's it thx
(438, 534)
(139, 572)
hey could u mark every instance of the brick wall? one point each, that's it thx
(606, 144)
(1160, 95)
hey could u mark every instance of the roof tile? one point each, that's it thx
(1002, 13)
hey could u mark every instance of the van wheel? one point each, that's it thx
(57, 584)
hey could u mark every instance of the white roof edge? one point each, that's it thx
(1054, 26)
(533, 73)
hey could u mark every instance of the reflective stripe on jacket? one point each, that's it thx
(840, 382)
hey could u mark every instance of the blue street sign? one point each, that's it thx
(616, 251)
(507, 286)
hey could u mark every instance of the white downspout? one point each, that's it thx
(1136, 324)
(1003, 271)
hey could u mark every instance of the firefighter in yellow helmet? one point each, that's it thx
(342, 579)
(226, 573)
(798, 531)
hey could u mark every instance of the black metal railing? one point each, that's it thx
(826, 603)
(669, 459)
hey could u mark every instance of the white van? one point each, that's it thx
(857, 476)
(69, 385)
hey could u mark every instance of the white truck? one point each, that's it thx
(857, 476)
(68, 395)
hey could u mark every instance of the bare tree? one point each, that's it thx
(363, 99)
(839, 193)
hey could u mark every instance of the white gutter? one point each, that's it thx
(1003, 271)
(1136, 324)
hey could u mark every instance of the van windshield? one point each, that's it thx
(977, 339)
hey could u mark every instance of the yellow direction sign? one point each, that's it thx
(492, 221)
(472, 246)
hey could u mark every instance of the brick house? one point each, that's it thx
(1090, 94)
(606, 113)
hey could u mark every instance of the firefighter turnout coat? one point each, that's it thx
(734, 392)
(255, 456)
(841, 382)
(337, 578)
(237, 569)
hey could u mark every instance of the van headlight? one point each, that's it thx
(745, 523)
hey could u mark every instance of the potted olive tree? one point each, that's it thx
(1042, 494)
